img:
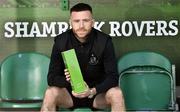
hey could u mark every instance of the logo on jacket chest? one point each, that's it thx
(93, 60)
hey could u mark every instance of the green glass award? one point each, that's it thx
(71, 63)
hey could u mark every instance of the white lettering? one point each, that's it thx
(174, 28)
(150, 28)
(9, 32)
(63, 26)
(127, 26)
(161, 28)
(118, 29)
(137, 29)
(35, 30)
(21, 29)
(98, 25)
(48, 30)
(114, 25)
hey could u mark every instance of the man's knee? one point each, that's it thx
(58, 96)
(114, 94)
(52, 92)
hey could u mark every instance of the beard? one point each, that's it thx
(82, 32)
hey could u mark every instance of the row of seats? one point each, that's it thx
(147, 80)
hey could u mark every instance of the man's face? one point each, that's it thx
(81, 23)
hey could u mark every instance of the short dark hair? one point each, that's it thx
(81, 7)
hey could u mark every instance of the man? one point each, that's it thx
(96, 57)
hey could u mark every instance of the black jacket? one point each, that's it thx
(96, 58)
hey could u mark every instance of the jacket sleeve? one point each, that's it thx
(56, 75)
(110, 67)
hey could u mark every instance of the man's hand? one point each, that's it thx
(82, 95)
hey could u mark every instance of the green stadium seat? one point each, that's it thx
(23, 80)
(147, 81)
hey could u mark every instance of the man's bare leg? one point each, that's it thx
(55, 96)
(112, 98)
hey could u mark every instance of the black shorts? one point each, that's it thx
(82, 102)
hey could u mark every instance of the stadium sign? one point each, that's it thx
(117, 29)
